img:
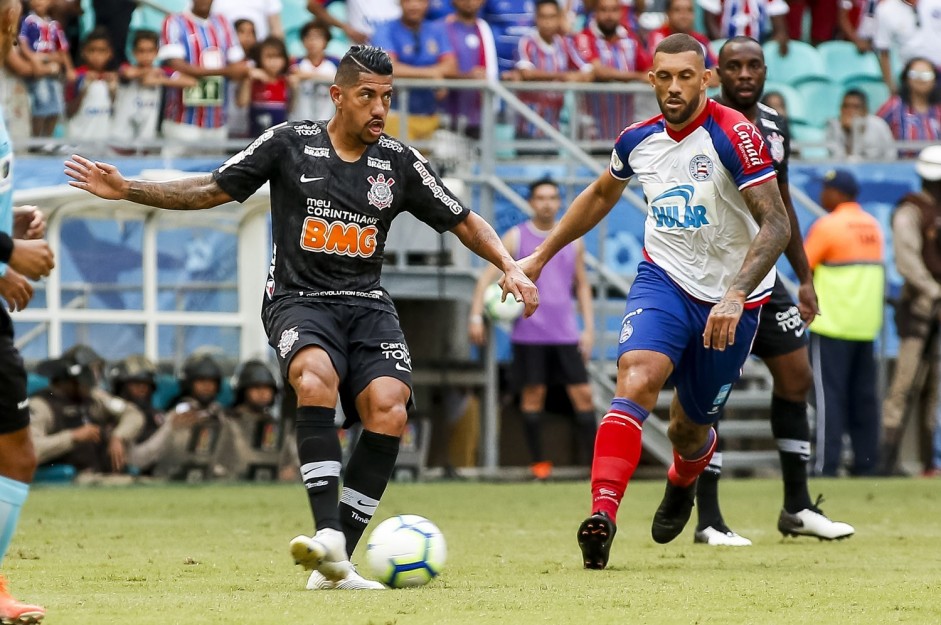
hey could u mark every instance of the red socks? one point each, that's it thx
(617, 452)
(684, 472)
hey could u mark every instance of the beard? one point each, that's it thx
(738, 102)
(681, 116)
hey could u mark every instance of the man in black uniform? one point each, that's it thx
(781, 341)
(335, 187)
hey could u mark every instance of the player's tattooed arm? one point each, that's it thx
(186, 194)
(106, 182)
(774, 231)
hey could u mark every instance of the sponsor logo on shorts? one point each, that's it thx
(790, 319)
(398, 352)
(288, 339)
(720, 399)
(23, 405)
(627, 330)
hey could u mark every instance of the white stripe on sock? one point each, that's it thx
(327, 468)
(794, 446)
(359, 501)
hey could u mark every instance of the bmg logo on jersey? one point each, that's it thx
(336, 237)
(674, 209)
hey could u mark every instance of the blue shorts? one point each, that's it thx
(45, 97)
(662, 318)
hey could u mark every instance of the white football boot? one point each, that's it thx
(325, 552)
(812, 522)
(720, 537)
(352, 581)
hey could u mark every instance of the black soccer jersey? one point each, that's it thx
(330, 218)
(774, 129)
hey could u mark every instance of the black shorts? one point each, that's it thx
(537, 365)
(780, 329)
(363, 344)
(14, 408)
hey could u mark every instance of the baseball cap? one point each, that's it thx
(928, 164)
(843, 181)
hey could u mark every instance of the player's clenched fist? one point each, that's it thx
(34, 258)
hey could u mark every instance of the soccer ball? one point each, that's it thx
(406, 550)
(506, 310)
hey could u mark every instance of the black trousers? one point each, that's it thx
(845, 386)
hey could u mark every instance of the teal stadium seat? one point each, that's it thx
(145, 17)
(844, 63)
(802, 64)
(796, 111)
(821, 101)
(717, 45)
(876, 92)
(811, 134)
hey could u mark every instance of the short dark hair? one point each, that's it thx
(357, 59)
(539, 3)
(857, 93)
(544, 180)
(98, 34)
(145, 35)
(740, 39)
(678, 43)
(316, 25)
(239, 22)
(271, 41)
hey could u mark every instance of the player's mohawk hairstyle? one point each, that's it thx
(369, 59)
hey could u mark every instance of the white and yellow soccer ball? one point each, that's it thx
(406, 551)
(500, 310)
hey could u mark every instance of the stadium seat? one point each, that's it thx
(802, 64)
(876, 92)
(801, 133)
(821, 101)
(844, 63)
(796, 111)
(717, 45)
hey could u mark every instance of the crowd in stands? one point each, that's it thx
(224, 69)
(93, 418)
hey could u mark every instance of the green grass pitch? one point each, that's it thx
(218, 554)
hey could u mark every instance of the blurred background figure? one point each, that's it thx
(845, 252)
(134, 379)
(857, 134)
(548, 347)
(196, 442)
(313, 74)
(914, 387)
(75, 422)
(914, 114)
(260, 432)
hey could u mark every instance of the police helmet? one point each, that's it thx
(252, 373)
(136, 368)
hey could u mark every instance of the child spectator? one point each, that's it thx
(46, 48)
(266, 92)
(90, 98)
(311, 76)
(238, 115)
(140, 87)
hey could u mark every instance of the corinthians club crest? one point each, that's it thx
(380, 191)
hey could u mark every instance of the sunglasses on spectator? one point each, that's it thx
(916, 75)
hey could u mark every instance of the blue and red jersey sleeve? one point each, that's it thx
(629, 139)
(740, 146)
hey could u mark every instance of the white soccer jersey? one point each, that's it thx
(698, 227)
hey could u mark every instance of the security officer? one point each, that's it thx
(197, 441)
(76, 422)
(260, 435)
(135, 379)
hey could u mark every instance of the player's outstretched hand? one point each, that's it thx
(16, 290)
(722, 321)
(100, 179)
(807, 302)
(516, 284)
(32, 258)
(28, 222)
